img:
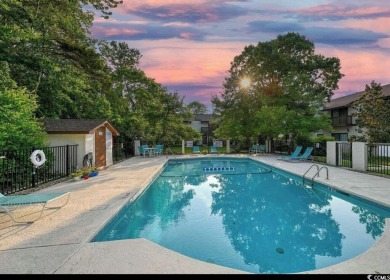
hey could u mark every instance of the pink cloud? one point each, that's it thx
(343, 11)
(130, 5)
(360, 67)
(115, 31)
(380, 25)
(176, 61)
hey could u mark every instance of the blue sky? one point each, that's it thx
(187, 46)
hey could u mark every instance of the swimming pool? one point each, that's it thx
(247, 215)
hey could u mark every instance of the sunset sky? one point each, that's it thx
(187, 46)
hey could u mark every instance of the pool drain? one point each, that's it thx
(280, 250)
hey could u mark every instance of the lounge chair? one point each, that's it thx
(214, 150)
(261, 148)
(296, 152)
(195, 150)
(10, 203)
(158, 150)
(143, 150)
(304, 157)
(253, 149)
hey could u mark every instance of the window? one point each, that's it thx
(340, 136)
(339, 112)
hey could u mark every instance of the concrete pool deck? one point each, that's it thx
(58, 243)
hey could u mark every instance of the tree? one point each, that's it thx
(197, 107)
(289, 86)
(143, 108)
(19, 128)
(372, 114)
(47, 46)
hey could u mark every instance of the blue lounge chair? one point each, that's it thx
(253, 149)
(304, 157)
(158, 150)
(261, 148)
(196, 150)
(296, 152)
(143, 150)
(214, 150)
(10, 203)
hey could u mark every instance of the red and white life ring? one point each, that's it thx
(38, 158)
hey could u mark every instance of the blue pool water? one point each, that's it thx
(245, 215)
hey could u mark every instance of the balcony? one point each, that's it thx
(205, 130)
(343, 121)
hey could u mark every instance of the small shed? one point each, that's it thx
(91, 136)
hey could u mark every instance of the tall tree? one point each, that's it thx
(19, 128)
(48, 48)
(289, 85)
(197, 107)
(143, 108)
(372, 114)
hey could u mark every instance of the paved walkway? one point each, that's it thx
(59, 241)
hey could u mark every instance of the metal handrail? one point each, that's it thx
(303, 177)
(318, 173)
(169, 149)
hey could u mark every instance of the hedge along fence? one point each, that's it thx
(17, 172)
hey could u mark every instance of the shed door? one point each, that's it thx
(100, 146)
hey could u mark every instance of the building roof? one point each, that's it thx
(347, 100)
(76, 126)
(203, 117)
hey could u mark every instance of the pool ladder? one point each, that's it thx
(169, 149)
(317, 174)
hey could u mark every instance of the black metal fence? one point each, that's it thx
(378, 156)
(17, 172)
(344, 154)
(122, 150)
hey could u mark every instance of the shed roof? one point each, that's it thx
(347, 100)
(77, 126)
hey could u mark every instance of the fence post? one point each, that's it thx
(359, 156)
(331, 157)
(228, 146)
(67, 161)
(33, 170)
(137, 143)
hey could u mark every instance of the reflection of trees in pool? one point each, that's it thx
(195, 180)
(164, 201)
(375, 225)
(291, 227)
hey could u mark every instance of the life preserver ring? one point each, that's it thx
(38, 157)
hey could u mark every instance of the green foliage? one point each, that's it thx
(103, 6)
(143, 108)
(18, 127)
(51, 55)
(357, 138)
(321, 140)
(289, 85)
(196, 107)
(66, 74)
(372, 114)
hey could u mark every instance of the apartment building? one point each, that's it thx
(341, 111)
(201, 123)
